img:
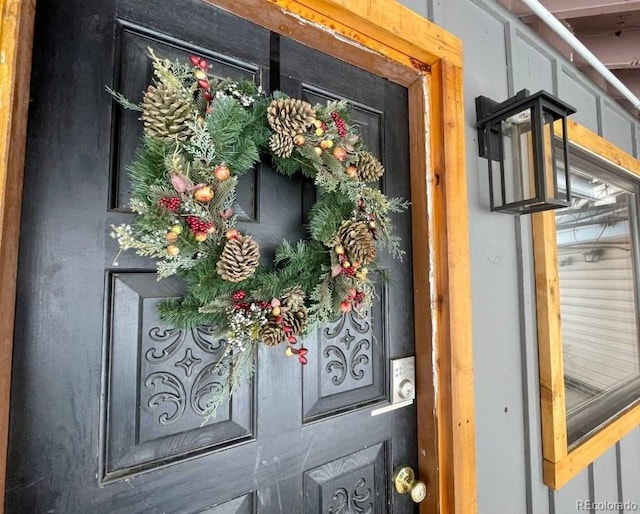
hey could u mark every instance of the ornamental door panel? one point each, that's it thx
(108, 401)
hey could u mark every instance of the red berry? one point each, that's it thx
(195, 60)
(238, 296)
(293, 340)
(359, 297)
(350, 272)
(342, 130)
(207, 96)
(203, 84)
(197, 225)
(202, 64)
(302, 359)
(171, 203)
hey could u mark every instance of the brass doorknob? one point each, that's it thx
(406, 483)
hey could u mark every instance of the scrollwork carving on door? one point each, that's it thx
(355, 500)
(361, 325)
(208, 381)
(172, 337)
(173, 393)
(188, 363)
(352, 484)
(175, 380)
(342, 359)
(204, 337)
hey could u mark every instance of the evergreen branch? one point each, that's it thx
(233, 129)
(326, 215)
(122, 100)
(322, 309)
(201, 145)
(398, 204)
(238, 366)
(225, 195)
(163, 70)
(332, 164)
(229, 126)
(148, 168)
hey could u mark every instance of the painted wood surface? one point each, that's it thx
(502, 56)
(432, 46)
(291, 411)
(16, 28)
(427, 437)
(554, 431)
(456, 420)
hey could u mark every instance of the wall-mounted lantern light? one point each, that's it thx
(528, 164)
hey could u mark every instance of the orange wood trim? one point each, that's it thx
(600, 147)
(391, 24)
(425, 399)
(452, 298)
(391, 41)
(561, 464)
(557, 474)
(552, 397)
(311, 27)
(16, 34)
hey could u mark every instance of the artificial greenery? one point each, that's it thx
(201, 134)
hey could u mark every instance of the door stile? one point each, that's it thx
(16, 38)
(422, 294)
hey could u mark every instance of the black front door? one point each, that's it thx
(107, 402)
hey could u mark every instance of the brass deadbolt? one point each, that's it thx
(406, 483)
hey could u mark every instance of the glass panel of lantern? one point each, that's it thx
(512, 178)
(528, 161)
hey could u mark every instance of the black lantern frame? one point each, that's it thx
(534, 185)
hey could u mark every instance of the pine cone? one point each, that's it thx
(165, 113)
(357, 240)
(369, 168)
(297, 320)
(289, 116)
(293, 298)
(281, 145)
(272, 334)
(239, 259)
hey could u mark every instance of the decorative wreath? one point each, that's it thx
(200, 135)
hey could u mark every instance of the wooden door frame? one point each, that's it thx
(16, 38)
(388, 40)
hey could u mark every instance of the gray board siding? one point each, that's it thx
(502, 56)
